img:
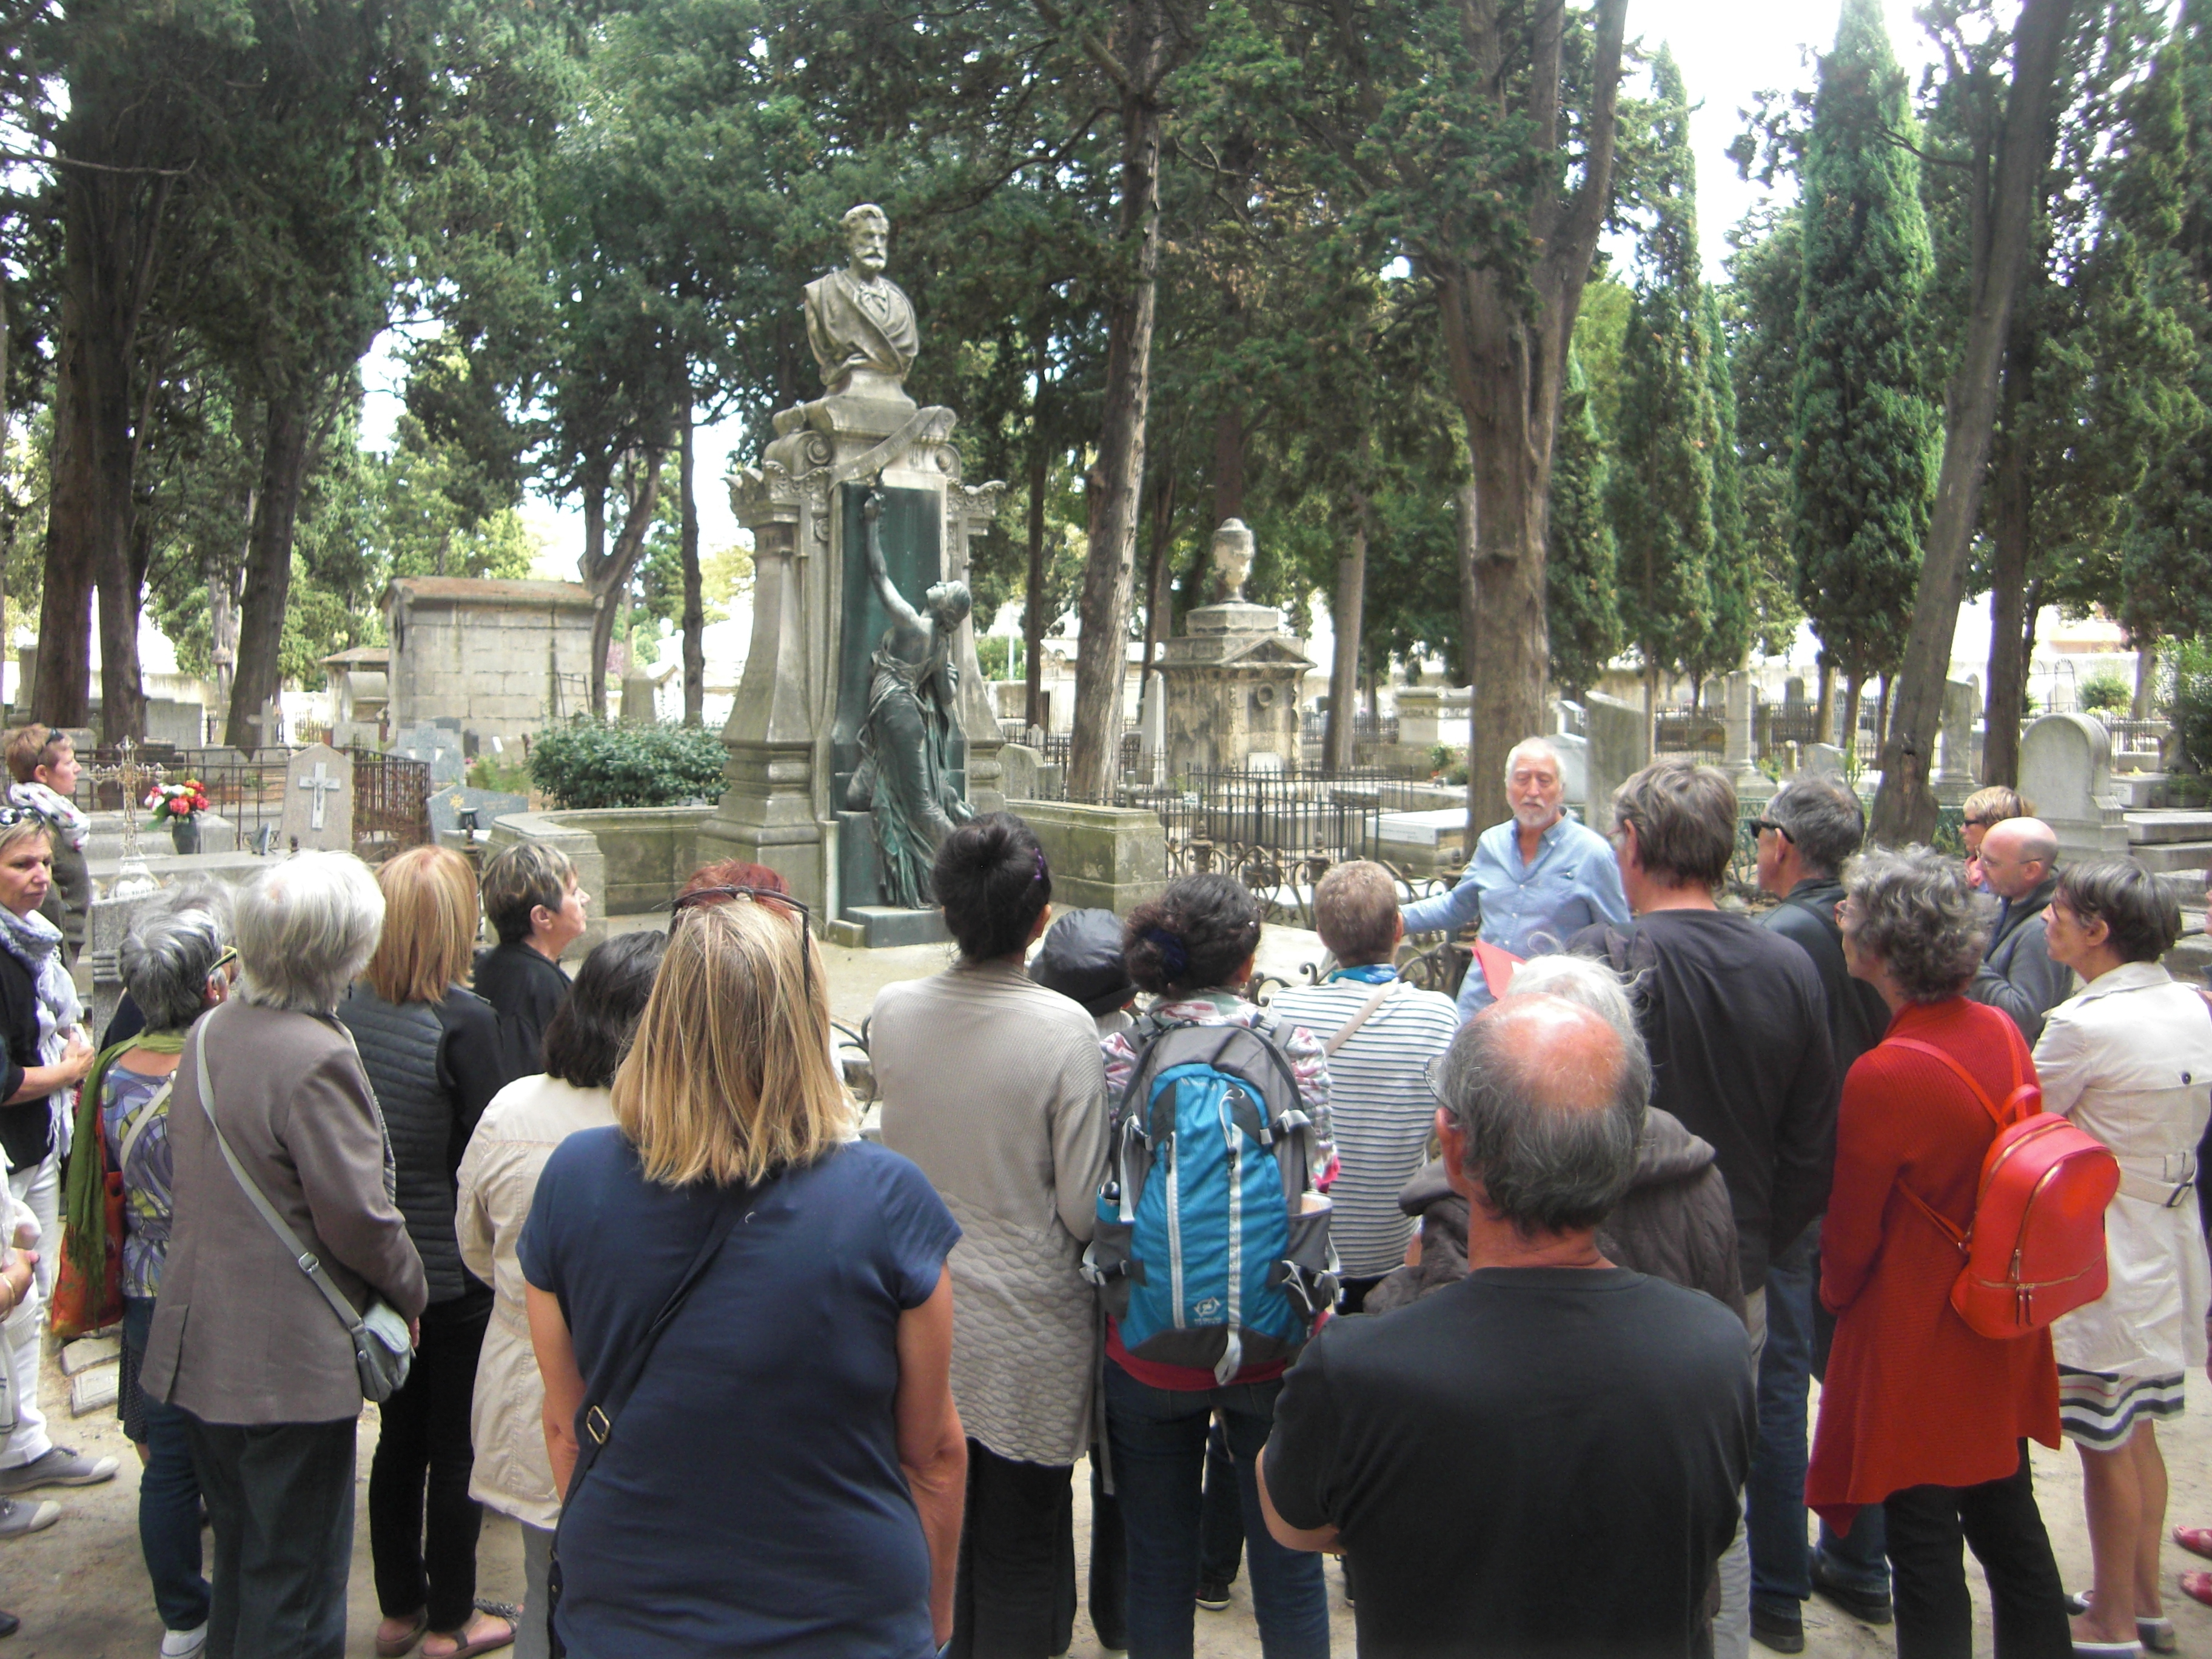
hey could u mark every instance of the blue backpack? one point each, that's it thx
(1212, 1248)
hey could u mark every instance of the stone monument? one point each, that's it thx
(2066, 769)
(799, 732)
(1740, 756)
(1231, 679)
(1955, 758)
(318, 801)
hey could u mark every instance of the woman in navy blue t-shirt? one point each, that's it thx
(787, 1477)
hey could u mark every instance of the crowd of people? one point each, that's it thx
(1513, 1303)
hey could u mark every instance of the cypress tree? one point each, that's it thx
(1661, 492)
(1729, 570)
(1868, 435)
(1580, 570)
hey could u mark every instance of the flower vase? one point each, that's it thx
(186, 833)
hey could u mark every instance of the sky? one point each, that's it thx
(1728, 51)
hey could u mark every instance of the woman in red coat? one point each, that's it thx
(1918, 1412)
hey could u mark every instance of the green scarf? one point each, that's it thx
(84, 1212)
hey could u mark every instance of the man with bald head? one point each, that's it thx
(2019, 861)
(1473, 1454)
(1535, 881)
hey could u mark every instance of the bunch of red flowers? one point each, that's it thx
(177, 800)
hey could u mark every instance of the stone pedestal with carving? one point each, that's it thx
(781, 807)
(1231, 679)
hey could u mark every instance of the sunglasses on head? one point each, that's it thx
(1781, 829)
(707, 895)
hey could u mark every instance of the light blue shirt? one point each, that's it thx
(1527, 908)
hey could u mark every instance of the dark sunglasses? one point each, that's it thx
(707, 895)
(1781, 829)
(13, 815)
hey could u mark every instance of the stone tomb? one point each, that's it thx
(1232, 678)
(318, 801)
(438, 745)
(2066, 769)
(502, 658)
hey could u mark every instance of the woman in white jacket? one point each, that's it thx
(2130, 1062)
(583, 1045)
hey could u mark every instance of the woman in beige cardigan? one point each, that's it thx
(993, 1085)
(584, 1043)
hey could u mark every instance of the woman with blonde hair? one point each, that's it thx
(432, 1051)
(743, 1320)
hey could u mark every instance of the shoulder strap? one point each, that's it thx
(349, 1316)
(1965, 1076)
(1344, 1031)
(137, 1123)
(597, 1421)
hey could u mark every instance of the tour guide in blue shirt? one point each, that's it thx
(1537, 878)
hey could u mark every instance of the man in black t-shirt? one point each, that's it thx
(1544, 1458)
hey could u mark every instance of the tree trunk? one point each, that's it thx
(1824, 711)
(1344, 659)
(1033, 618)
(2138, 709)
(1905, 808)
(1101, 664)
(1881, 713)
(1650, 711)
(607, 576)
(121, 584)
(1506, 348)
(260, 674)
(1156, 589)
(694, 604)
(1848, 738)
(2009, 528)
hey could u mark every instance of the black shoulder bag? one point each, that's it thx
(595, 1423)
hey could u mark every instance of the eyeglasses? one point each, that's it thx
(1781, 829)
(707, 895)
(229, 955)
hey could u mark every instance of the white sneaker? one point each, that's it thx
(20, 1516)
(180, 1644)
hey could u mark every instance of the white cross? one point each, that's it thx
(322, 783)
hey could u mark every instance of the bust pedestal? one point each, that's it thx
(1231, 683)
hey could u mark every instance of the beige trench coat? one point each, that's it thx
(517, 1133)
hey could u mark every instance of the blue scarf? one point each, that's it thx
(1372, 973)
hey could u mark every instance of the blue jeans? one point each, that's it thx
(1158, 1441)
(168, 1495)
(1781, 1566)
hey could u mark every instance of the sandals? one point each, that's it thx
(391, 1647)
(2197, 1541)
(2156, 1635)
(483, 1643)
(2197, 1587)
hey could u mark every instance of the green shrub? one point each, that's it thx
(2191, 710)
(588, 762)
(2102, 691)
(994, 655)
(505, 777)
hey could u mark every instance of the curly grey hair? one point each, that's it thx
(305, 929)
(169, 956)
(1914, 910)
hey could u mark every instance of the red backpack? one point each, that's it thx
(2036, 1248)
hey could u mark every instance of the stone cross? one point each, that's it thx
(321, 783)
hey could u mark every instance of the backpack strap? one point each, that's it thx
(1997, 1114)
(142, 1119)
(1344, 1031)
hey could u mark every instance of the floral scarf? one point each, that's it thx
(36, 942)
(57, 810)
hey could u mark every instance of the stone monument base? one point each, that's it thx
(1105, 858)
(882, 927)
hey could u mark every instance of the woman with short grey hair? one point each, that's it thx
(177, 963)
(1919, 1413)
(2127, 1061)
(243, 1344)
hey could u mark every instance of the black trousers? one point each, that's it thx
(1999, 1519)
(423, 1524)
(1110, 1563)
(1014, 1594)
(280, 1499)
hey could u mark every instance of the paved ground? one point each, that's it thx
(81, 1589)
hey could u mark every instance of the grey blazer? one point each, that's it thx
(241, 1334)
(2017, 974)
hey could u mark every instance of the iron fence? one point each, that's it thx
(390, 810)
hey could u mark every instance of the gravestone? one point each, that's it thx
(1793, 693)
(448, 805)
(1618, 748)
(318, 801)
(2066, 769)
(1822, 760)
(1019, 764)
(1574, 768)
(1740, 757)
(107, 921)
(640, 704)
(1954, 758)
(439, 747)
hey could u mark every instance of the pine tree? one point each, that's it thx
(1580, 570)
(1868, 435)
(1661, 492)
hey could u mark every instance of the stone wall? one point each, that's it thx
(503, 658)
(1105, 858)
(630, 859)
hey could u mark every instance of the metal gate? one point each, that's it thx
(390, 804)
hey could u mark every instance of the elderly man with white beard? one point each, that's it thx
(1536, 880)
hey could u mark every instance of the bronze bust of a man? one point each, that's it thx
(859, 322)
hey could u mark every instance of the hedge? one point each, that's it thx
(587, 763)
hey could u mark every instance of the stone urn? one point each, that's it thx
(185, 833)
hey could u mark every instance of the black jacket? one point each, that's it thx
(435, 1067)
(2017, 974)
(1674, 1223)
(525, 991)
(1858, 1016)
(27, 1131)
